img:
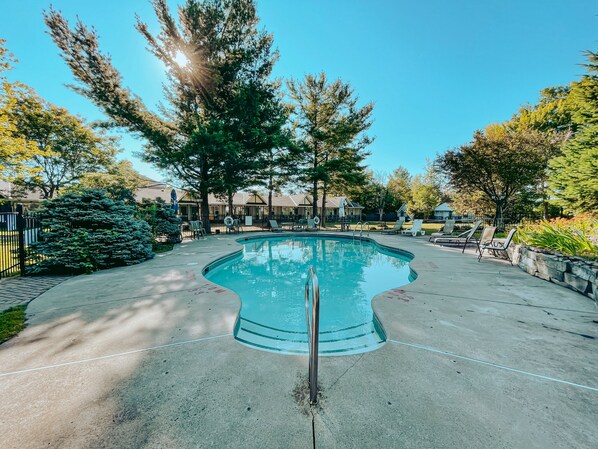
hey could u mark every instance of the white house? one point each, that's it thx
(443, 211)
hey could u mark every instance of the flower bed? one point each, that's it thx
(572, 272)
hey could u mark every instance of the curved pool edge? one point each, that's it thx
(413, 274)
(378, 322)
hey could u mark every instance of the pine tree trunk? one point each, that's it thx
(270, 190)
(323, 217)
(205, 209)
(314, 194)
(230, 204)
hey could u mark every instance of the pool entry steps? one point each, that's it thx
(351, 340)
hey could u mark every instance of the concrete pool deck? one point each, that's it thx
(479, 355)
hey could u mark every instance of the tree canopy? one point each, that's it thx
(67, 147)
(216, 102)
(15, 149)
(119, 181)
(574, 174)
(331, 130)
(499, 163)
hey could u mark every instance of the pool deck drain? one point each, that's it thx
(479, 355)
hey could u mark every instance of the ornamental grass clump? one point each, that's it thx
(87, 231)
(571, 237)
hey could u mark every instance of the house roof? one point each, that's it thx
(154, 190)
(444, 207)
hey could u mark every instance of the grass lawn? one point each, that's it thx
(12, 321)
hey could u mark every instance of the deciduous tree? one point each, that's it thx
(119, 181)
(67, 147)
(498, 162)
(15, 150)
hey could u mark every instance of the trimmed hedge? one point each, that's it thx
(87, 231)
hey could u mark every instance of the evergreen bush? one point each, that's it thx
(88, 231)
(164, 223)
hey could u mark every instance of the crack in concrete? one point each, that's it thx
(346, 371)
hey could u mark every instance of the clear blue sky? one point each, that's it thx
(436, 70)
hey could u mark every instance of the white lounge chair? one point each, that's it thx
(274, 226)
(416, 228)
(447, 229)
(462, 239)
(397, 227)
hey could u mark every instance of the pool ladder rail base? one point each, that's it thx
(313, 329)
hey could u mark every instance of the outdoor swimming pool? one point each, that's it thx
(270, 274)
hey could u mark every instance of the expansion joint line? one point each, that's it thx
(109, 356)
(494, 365)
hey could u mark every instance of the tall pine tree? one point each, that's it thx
(331, 130)
(574, 174)
(208, 128)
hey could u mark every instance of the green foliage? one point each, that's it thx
(425, 194)
(569, 237)
(399, 186)
(119, 181)
(574, 174)
(553, 112)
(85, 232)
(206, 129)
(67, 146)
(331, 130)
(15, 150)
(12, 321)
(500, 163)
(165, 225)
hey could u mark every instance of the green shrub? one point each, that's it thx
(570, 237)
(87, 231)
(165, 225)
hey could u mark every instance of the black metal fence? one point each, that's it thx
(18, 230)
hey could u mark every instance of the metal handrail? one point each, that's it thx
(355, 228)
(367, 223)
(313, 330)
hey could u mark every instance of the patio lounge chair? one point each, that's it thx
(197, 229)
(274, 226)
(397, 227)
(462, 239)
(499, 246)
(447, 229)
(486, 237)
(415, 229)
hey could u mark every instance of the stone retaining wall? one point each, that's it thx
(572, 272)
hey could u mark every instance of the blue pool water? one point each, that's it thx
(270, 276)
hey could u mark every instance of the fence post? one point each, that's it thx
(21, 233)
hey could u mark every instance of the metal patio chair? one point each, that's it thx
(499, 246)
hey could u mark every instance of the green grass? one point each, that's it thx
(12, 321)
